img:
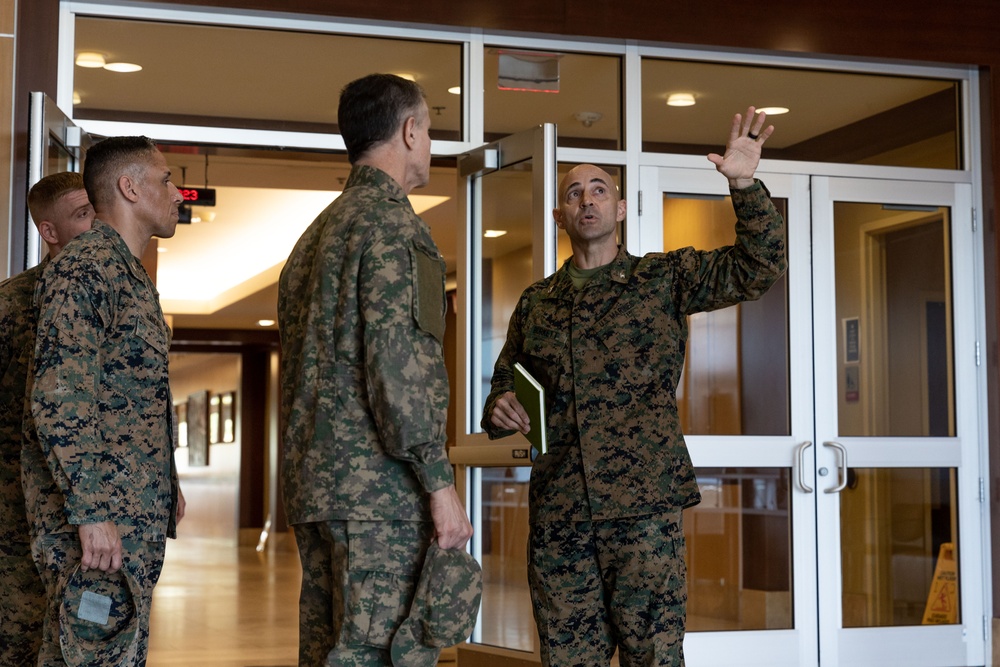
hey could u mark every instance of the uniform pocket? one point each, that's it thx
(154, 335)
(428, 290)
(383, 567)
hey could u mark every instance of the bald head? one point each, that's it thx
(583, 174)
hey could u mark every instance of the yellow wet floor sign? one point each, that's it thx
(942, 601)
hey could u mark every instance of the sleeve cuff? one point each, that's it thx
(435, 476)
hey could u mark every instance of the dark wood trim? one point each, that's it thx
(904, 125)
(35, 70)
(254, 372)
(990, 107)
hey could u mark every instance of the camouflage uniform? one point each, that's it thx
(101, 448)
(22, 597)
(609, 356)
(364, 398)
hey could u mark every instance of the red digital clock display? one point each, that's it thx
(198, 196)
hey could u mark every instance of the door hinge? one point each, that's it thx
(978, 360)
(986, 628)
(982, 490)
(640, 202)
(974, 220)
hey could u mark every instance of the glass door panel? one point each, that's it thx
(898, 527)
(739, 551)
(507, 190)
(745, 403)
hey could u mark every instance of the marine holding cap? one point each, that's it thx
(97, 467)
(364, 390)
(605, 336)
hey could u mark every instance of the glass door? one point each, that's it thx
(745, 404)
(55, 144)
(899, 513)
(507, 192)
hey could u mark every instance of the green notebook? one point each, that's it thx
(531, 395)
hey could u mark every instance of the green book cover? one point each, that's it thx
(531, 396)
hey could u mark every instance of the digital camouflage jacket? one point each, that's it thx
(102, 448)
(17, 340)
(364, 391)
(609, 357)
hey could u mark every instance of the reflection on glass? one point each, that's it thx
(57, 159)
(584, 99)
(250, 78)
(506, 262)
(739, 551)
(736, 378)
(894, 314)
(929, 109)
(506, 616)
(899, 547)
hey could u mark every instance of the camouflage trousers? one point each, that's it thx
(57, 557)
(22, 607)
(598, 585)
(358, 580)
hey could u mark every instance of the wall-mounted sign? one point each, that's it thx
(198, 196)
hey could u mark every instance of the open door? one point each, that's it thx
(55, 144)
(507, 191)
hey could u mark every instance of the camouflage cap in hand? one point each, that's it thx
(444, 610)
(98, 618)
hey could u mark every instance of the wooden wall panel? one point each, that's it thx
(961, 31)
(7, 45)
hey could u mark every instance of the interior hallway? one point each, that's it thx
(218, 605)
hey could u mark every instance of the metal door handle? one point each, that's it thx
(842, 468)
(800, 461)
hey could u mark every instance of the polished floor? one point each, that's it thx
(218, 605)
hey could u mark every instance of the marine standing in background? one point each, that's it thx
(60, 210)
(364, 391)
(99, 476)
(605, 336)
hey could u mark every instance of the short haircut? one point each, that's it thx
(110, 159)
(45, 193)
(372, 108)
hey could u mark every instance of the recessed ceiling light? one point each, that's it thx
(160, 249)
(265, 323)
(773, 111)
(123, 67)
(455, 90)
(680, 100)
(406, 75)
(494, 233)
(76, 97)
(90, 59)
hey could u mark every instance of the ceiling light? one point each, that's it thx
(265, 323)
(160, 249)
(455, 90)
(494, 233)
(406, 75)
(76, 97)
(773, 111)
(123, 67)
(680, 100)
(588, 118)
(90, 59)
